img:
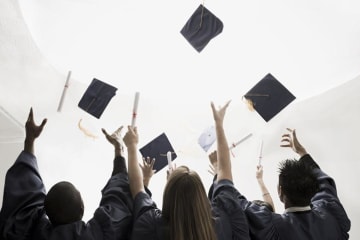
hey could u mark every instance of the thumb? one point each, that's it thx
(43, 123)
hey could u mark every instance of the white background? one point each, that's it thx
(312, 47)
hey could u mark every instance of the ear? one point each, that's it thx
(280, 193)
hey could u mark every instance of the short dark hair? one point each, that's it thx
(63, 204)
(297, 181)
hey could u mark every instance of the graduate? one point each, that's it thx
(187, 213)
(29, 212)
(312, 207)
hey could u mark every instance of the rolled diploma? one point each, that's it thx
(237, 143)
(168, 154)
(260, 155)
(136, 104)
(64, 92)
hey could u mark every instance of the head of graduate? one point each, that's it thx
(186, 208)
(63, 204)
(297, 183)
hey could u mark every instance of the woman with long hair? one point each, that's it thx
(187, 213)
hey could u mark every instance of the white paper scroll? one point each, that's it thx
(260, 154)
(240, 141)
(64, 92)
(169, 158)
(135, 107)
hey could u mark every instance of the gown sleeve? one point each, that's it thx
(326, 198)
(23, 198)
(231, 222)
(114, 215)
(147, 218)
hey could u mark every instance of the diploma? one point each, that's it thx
(169, 159)
(260, 154)
(64, 92)
(135, 107)
(240, 141)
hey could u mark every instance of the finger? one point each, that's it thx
(211, 172)
(31, 115)
(104, 131)
(119, 129)
(43, 123)
(294, 134)
(289, 129)
(213, 107)
(152, 162)
(285, 140)
(286, 135)
(227, 104)
(285, 145)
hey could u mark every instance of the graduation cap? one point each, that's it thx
(201, 27)
(268, 97)
(207, 138)
(96, 97)
(158, 149)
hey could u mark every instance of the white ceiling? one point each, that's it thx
(310, 46)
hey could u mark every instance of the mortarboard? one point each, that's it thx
(96, 97)
(201, 27)
(158, 149)
(207, 138)
(268, 97)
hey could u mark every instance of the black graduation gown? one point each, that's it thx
(327, 218)
(230, 221)
(23, 217)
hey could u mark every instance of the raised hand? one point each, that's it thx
(148, 171)
(291, 141)
(220, 113)
(131, 138)
(259, 172)
(213, 163)
(32, 130)
(115, 139)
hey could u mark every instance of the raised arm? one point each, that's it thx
(119, 160)
(24, 191)
(131, 140)
(327, 188)
(264, 191)
(223, 154)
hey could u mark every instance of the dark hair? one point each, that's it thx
(63, 204)
(264, 203)
(186, 208)
(297, 181)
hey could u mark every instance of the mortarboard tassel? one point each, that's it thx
(85, 131)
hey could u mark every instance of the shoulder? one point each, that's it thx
(148, 222)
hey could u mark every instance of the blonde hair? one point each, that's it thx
(186, 207)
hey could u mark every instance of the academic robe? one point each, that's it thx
(23, 216)
(327, 218)
(230, 221)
